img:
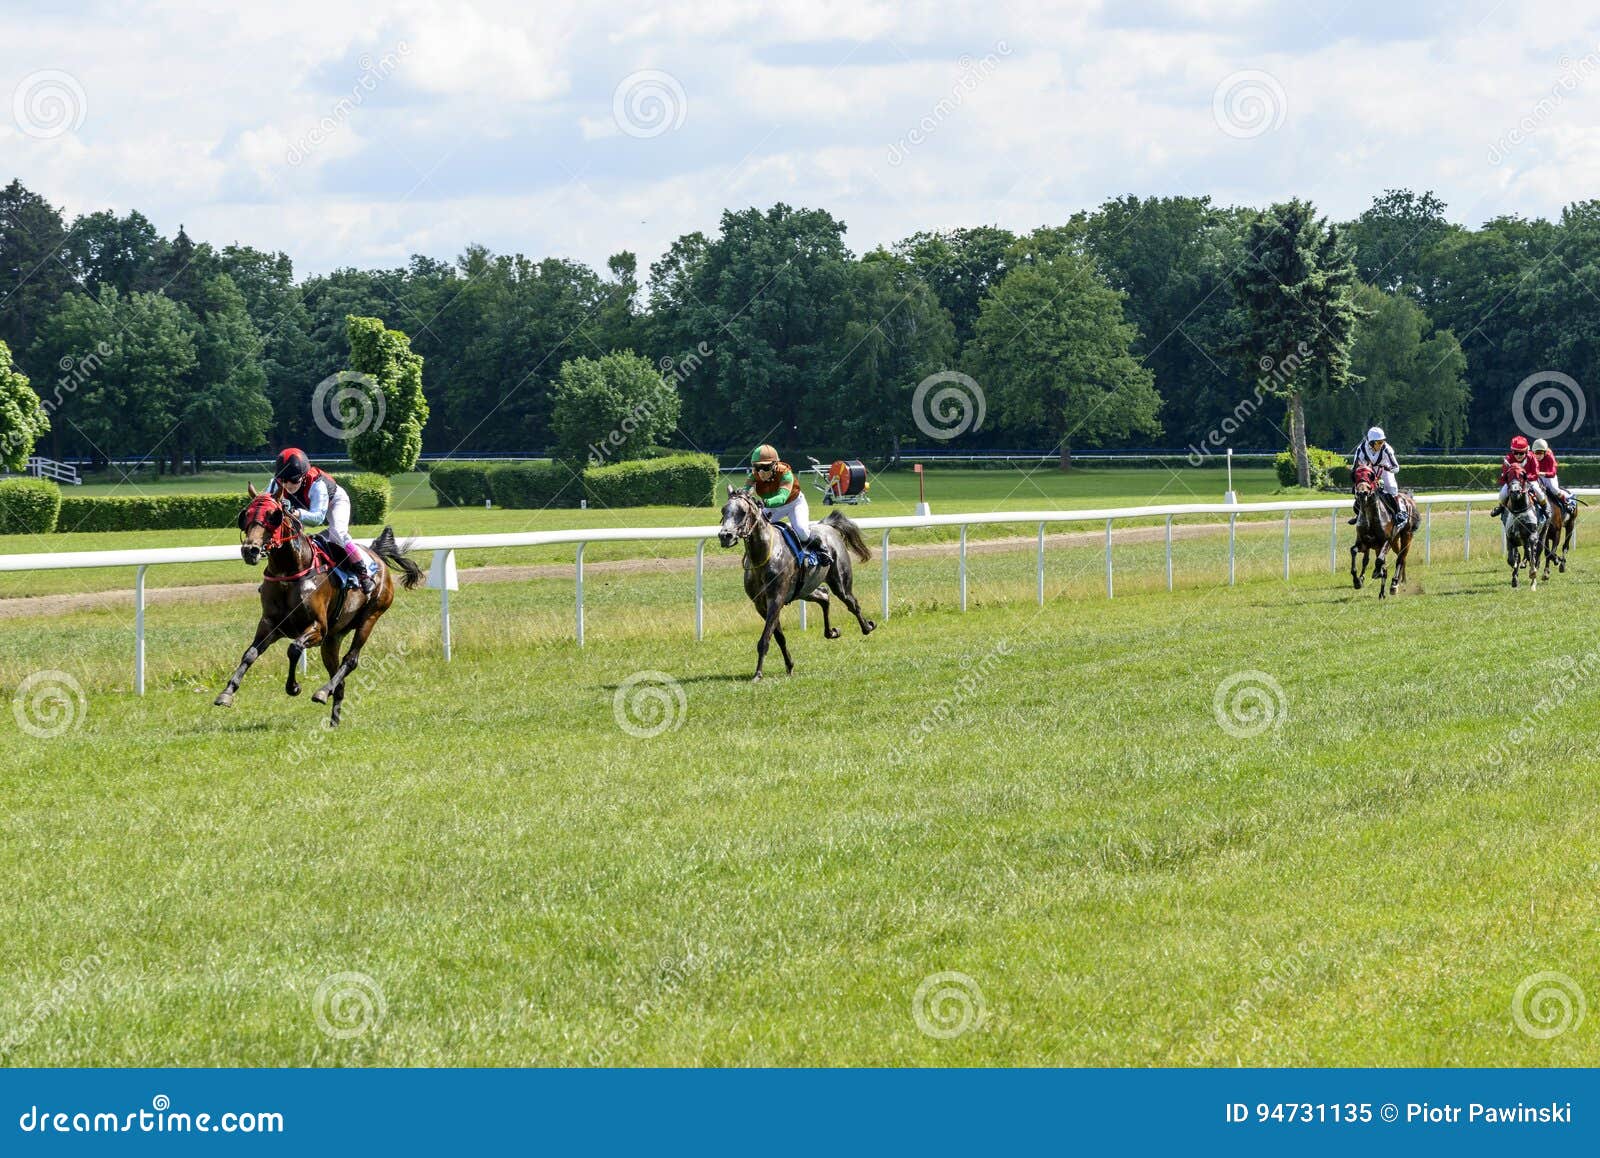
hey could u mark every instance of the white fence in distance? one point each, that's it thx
(443, 574)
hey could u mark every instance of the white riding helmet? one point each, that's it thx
(1376, 435)
(1540, 446)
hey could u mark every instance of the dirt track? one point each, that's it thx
(65, 604)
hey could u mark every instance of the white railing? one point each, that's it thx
(40, 467)
(443, 574)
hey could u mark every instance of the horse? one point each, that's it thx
(1375, 531)
(1525, 532)
(1558, 536)
(300, 598)
(773, 576)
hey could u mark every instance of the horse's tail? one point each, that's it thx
(391, 552)
(851, 534)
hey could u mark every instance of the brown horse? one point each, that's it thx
(1375, 531)
(774, 577)
(300, 598)
(1558, 536)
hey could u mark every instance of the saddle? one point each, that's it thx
(807, 559)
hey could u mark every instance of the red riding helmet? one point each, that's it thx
(293, 465)
(1519, 445)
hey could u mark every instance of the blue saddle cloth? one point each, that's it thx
(807, 558)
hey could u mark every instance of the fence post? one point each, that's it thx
(1169, 552)
(963, 554)
(1466, 544)
(1108, 559)
(138, 632)
(1041, 564)
(580, 593)
(442, 575)
(1285, 546)
(700, 591)
(884, 556)
(1427, 535)
(1233, 522)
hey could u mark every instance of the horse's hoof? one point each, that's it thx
(225, 700)
(755, 679)
(320, 696)
(292, 690)
(831, 633)
(869, 628)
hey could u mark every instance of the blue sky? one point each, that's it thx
(356, 134)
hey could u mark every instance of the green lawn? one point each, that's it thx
(1047, 803)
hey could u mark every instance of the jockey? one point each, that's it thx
(779, 491)
(315, 498)
(1544, 458)
(1376, 454)
(1519, 464)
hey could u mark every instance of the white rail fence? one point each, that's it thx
(443, 574)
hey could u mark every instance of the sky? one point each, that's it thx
(356, 134)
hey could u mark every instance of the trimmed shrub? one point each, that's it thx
(1323, 464)
(28, 506)
(534, 486)
(370, 495)
(460, 484)
(148, 512)
(684, 480)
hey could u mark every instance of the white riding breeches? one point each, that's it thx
(339, 519)
(1551, 486)
(1387, 482)
(798, 514)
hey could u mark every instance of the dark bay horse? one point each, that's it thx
(299, 598)
(1525, 532)
(1558, 536)
(1375, 531)
(772, 574)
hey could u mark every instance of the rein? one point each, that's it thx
(286, 532)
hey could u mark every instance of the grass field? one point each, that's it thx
(1278, 823)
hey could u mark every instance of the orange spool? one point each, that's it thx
(847, 477)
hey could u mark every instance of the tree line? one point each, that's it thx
(1164, 320)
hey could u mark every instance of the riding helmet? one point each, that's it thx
(293, 465)
(764, 455)
(1376, 435)
(1540, 446)
(1519, 445)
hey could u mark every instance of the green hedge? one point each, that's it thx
(460, 484)
(1324, 464)
(28, 506)
(369, 506)
(685, 480)
(533, 485)
(370, 496)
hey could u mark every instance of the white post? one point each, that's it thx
(442, 576)
(700, 591)
(580, 594)
(1285, 546)
(1427, 535)
(1108, 558)
(1230, 497)
(884, 556)
(963, 568)
(1233, 521)
(138, 632)
(1169, 552)
(1041, 564)
(802, 615)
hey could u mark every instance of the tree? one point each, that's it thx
(612, 408)
(278, 310)
(1052, 346)
(32, 278)
(959, 266)
(394, 412)
(1393, 238)
(22, 416)
(225, 403)
(1296, 287)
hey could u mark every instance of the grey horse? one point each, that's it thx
(1525, 532)
(772, 574)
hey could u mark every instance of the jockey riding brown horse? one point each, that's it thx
(301, 602)
(1558, 535)
(1376, 531)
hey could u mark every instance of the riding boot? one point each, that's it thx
(1357, 517)
(1398, 510)
(356, 565)
(819, 551)
(1499, 509)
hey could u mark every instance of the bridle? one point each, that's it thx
(287, 529)
(752, 514)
